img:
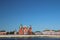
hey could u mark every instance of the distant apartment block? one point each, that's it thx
(3, 32)
(51, 32)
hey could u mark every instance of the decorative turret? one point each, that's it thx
(30, 30)
(21, 30)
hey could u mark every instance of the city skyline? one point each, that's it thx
(41, 14)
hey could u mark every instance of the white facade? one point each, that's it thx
(51, 33)
(38, 33)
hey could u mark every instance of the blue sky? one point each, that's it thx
(41, 14)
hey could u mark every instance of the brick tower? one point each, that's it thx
(21, 30)
(30, 31)
(25, 30)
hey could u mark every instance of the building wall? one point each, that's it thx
(21, 31)
(38, 33)
(57, 33)
(30, 31)
(2, 33)
(51, 33)
(25, 31)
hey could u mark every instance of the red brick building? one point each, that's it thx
(30, 31)
(21, 31)
(25, 31)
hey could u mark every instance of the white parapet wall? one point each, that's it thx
(57, 36)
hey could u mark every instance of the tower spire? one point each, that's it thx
(20, 26)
